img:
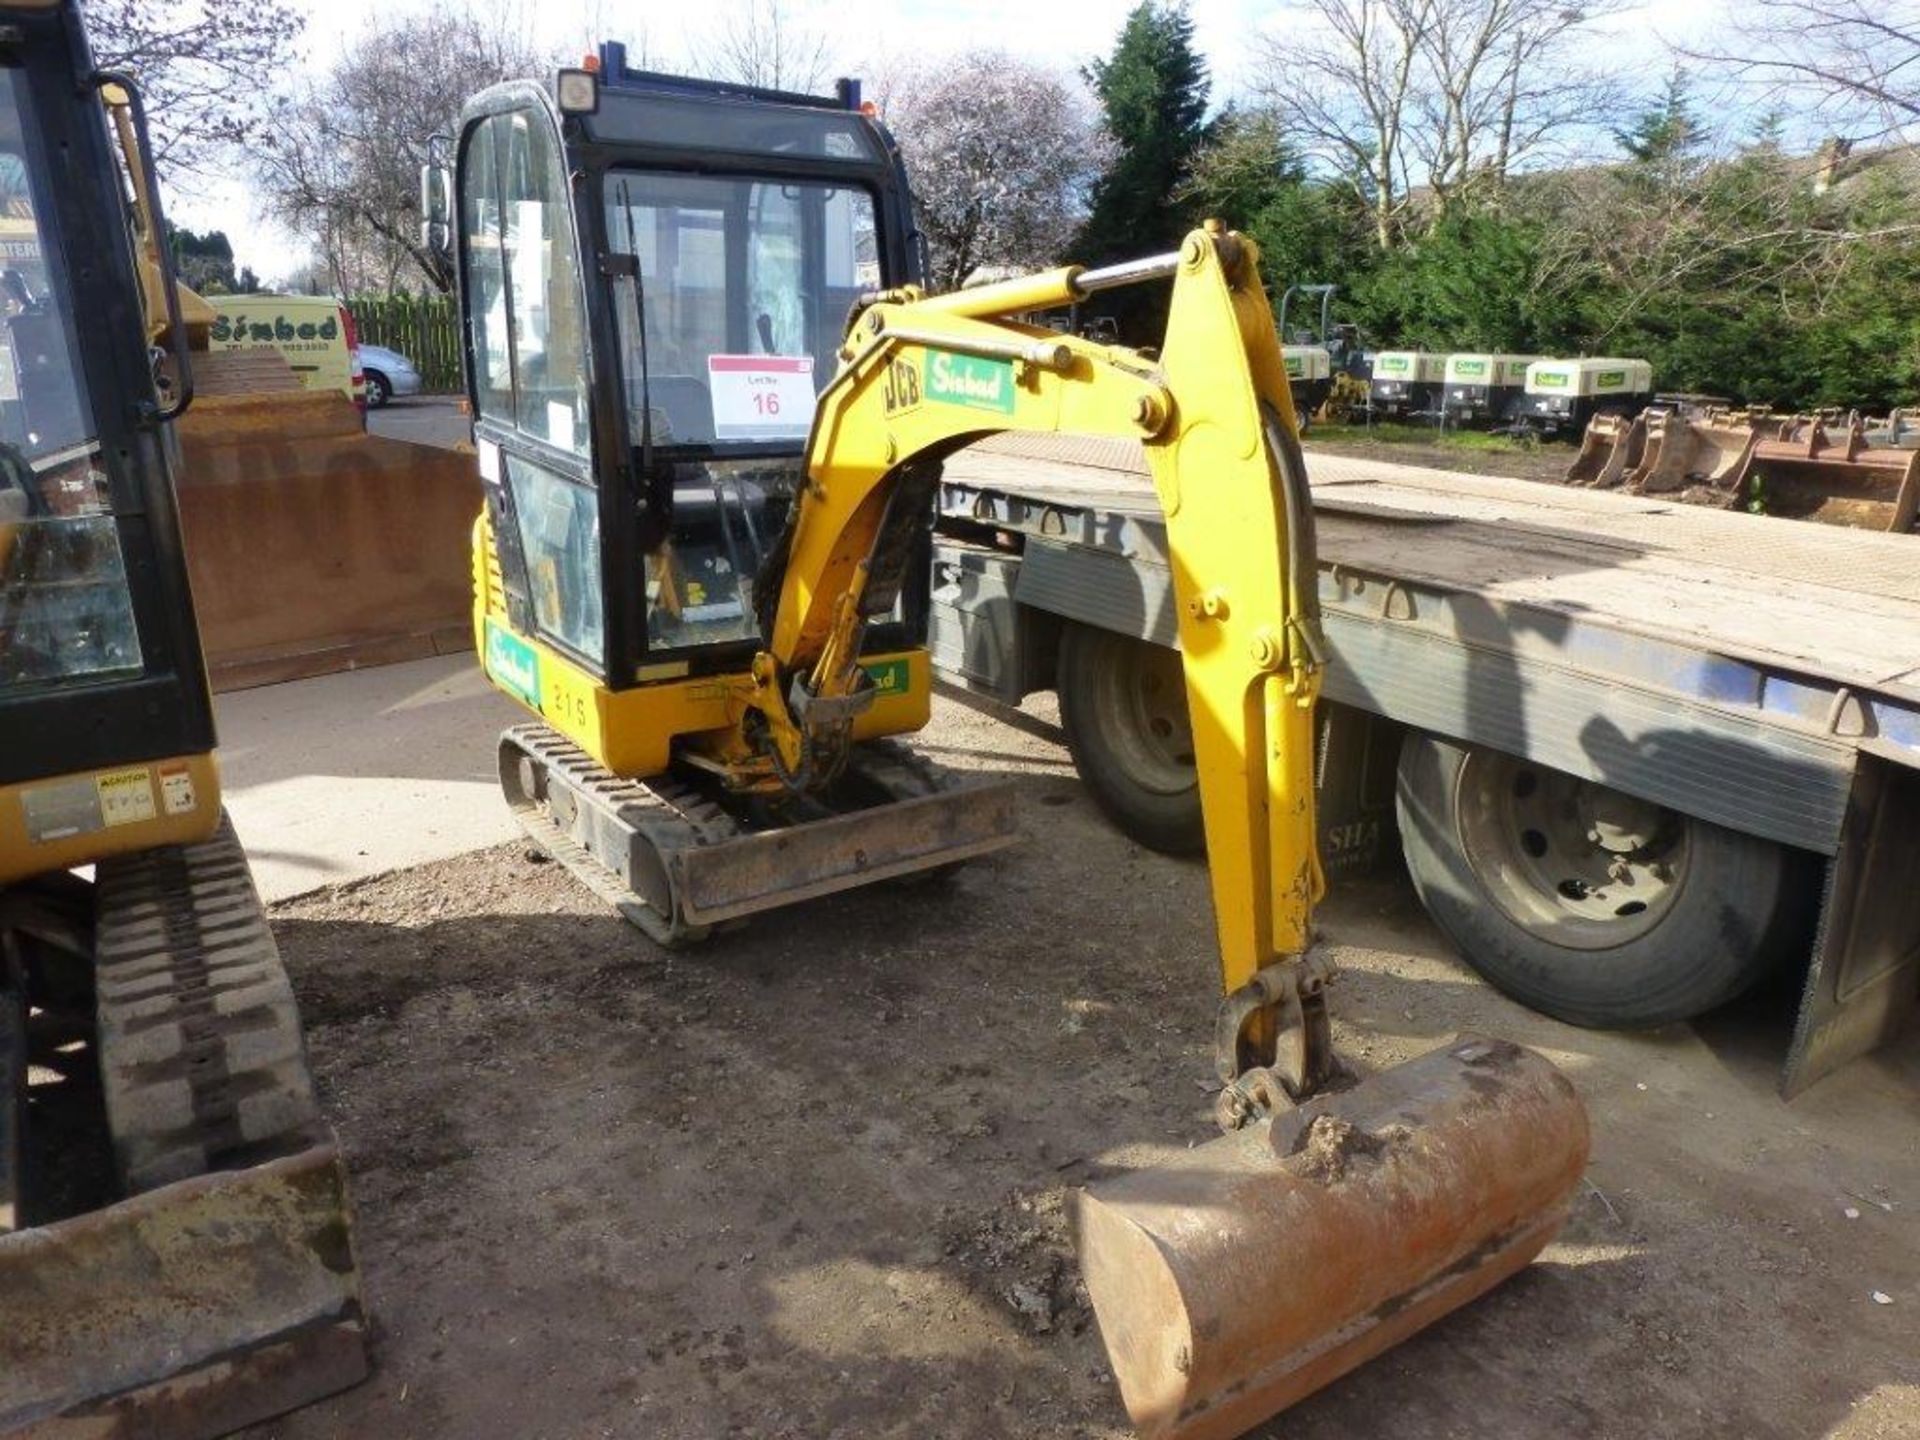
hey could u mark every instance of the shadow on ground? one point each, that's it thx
(807, 1179)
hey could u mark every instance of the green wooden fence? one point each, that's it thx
(425, 329)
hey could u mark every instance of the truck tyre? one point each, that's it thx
(1123, 704)
(1590, 905)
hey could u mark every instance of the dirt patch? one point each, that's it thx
(1546, 462)
(807, 1180)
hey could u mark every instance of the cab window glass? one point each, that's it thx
(66, 611)
(549, 357)
(486, 276)
(746, 286)
(560, 537)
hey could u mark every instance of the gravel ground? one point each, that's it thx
(807, 1180)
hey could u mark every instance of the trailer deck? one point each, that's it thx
(1801, 638)
(1740, 669)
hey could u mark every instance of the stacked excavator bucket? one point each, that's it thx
(1805, 471)
(313, 545)
(1819, 468)
(1666, 448)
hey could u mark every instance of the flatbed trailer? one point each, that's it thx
(1700, 674)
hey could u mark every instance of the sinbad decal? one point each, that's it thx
(1550, 379)
(1610, 380)
(970, 381)
(1394, 364)
(514, 664)
(277, 329)
(1470, 369)
(889, 677)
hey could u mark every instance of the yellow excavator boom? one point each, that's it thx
(921, 377)
(1265, 1264)
(717, 710)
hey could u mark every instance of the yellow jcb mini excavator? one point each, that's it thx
(176, 1257)
(705, 579)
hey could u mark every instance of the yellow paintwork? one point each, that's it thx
(1252, 677)
(920, 376)
(631, 732)
(21, 857)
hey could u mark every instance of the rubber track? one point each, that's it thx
(201, 1054)
(672, 815)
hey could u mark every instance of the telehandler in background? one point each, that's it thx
(176, 1250)
(711, 402)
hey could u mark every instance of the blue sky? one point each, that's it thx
(870, 36)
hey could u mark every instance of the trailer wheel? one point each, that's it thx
(1123, 704)
(1580, 901)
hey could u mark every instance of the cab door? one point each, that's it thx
(100, 665)
(528, 376)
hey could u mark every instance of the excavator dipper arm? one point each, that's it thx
(1245, 1273)
(921, 377)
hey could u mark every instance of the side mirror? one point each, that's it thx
(436, 202)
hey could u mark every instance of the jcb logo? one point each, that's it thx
(903, 387)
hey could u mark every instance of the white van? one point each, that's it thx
(314, 332)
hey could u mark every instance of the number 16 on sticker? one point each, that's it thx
(761, 397)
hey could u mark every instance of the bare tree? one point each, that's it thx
(342, 165)
(1496, 85)
(1002, 154)
(1440, 95)
(759, 42)
(199, 65)
(1343, 83)
(1853, 64)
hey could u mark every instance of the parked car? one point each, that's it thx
(389, 373)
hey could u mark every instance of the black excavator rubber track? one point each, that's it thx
(201, 1055)
(670, 815)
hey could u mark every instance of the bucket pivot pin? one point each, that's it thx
(1273, 1041)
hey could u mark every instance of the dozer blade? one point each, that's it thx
(1263, 1265)
(676, 864)
(312, 545)
(186, 1312)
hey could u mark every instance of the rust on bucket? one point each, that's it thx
(1257, 1268)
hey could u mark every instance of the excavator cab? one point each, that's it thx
(176, 1253)
(731, 242)
(656, 276)
(650, 270)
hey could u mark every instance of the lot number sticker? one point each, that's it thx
(761, 397)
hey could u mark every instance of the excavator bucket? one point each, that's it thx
(1259, 1267)
(314, 546)
(1683, 451)
(1806, 472)
(1611, 446)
